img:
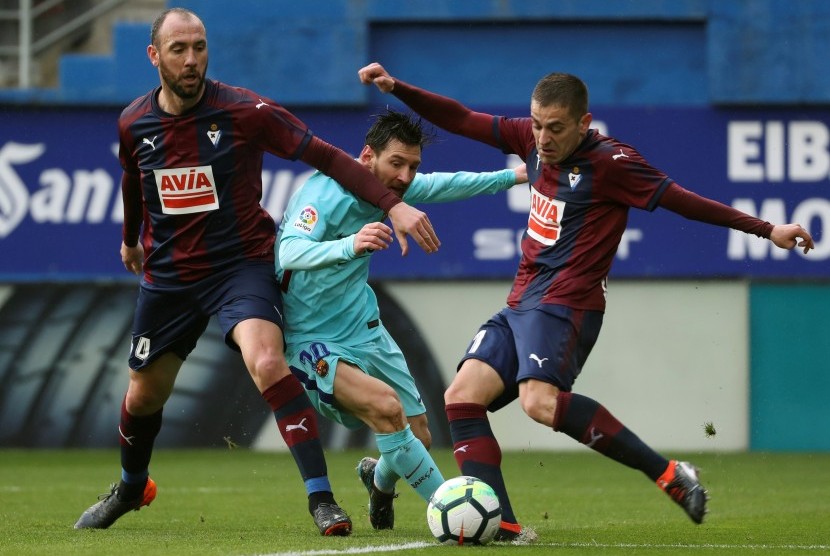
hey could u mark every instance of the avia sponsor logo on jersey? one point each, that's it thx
(186, 190)
(36, 188)
(307, 219)
(544, 221)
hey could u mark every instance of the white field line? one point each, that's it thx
(633, 546)
(357, 550)
(704, 546)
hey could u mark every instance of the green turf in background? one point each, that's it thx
(244, 503)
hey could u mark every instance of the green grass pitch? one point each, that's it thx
(239, 502)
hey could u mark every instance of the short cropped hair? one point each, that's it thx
(397, 125)
(154, 30)
(562, 89)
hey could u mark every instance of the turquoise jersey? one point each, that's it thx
(326, 296)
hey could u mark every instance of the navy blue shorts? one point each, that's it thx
(549, 343)
(171, 319)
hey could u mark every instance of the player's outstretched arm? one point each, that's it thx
(442, 111)
(786, 236)
(409, 221)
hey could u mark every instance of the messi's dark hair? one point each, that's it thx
(397, 125)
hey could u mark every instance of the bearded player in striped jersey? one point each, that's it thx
(582, 185)
(192, 151)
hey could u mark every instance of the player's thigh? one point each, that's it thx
(150, 387)
(487, 371)
(384, 360)
(166, 320)
(553, 342)
(315, 364)
(249, 291)
(260, 342)
(371, 400)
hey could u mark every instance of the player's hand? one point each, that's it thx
(133, 257)
(374, 236)
(785, 236)
(409, 221)
(521, 173)
(374, 73)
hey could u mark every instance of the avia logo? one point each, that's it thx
(151, 142)
(300, 425)
(621, 154)
(543, 223)
(535, 357)
(261, 104)
(38, 188)
(187, 190)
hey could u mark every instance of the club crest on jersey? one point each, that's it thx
(307, 219)
(574, 177)
(214, 134)
(544, 221)
(186, 190)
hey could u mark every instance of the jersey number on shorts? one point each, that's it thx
(477, 341)
(315, 352)
(142, 348)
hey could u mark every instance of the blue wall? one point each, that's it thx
(645, 52)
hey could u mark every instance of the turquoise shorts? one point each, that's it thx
(314, 363)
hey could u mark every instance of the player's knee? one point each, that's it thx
(268, 368)
(420, 428)
(540, 409)
(385, 412)
(458, 392)
(388, 404)
(144, 401)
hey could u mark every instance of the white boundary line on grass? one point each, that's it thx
(705, 546)
(357, 550)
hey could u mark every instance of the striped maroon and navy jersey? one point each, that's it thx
(197, 177)
(579, 208)
(578, 213)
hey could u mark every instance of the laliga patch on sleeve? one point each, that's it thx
(307, 219)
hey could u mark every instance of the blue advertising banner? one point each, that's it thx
(60, 205)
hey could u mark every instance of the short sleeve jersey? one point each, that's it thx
(578, 213)
(200, 179)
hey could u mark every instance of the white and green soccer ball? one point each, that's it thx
(464, 510)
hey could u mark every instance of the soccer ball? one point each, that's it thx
(464, 510)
